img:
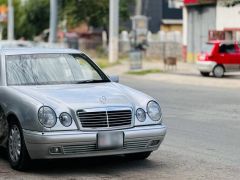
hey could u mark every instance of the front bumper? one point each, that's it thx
(83, 144)
(206, 66)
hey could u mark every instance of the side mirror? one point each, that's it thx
(114, 78)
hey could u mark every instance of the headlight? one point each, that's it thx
(65, 119)
(141, 115)
(154, 111)
(47, 117)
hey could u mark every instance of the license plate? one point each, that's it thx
(110, 140)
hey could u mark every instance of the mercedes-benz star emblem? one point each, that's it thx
(103, 99)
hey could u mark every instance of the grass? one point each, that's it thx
(144, 72)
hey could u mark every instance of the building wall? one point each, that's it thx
(200, 20)
(185, 28)
(157, 10)
(171, 27)
(153, 10)
(228, 17)
(185, 25)
(170, 12)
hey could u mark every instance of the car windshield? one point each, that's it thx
(40, 69)
(207, 48)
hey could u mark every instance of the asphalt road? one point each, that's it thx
(202, 140)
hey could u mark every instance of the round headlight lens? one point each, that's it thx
(154, 111)
(141, 115)
(65, 119)
(47, 117)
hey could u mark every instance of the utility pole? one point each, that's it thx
(10, 32)
(53, 21)
(138, 10)
(113, 31)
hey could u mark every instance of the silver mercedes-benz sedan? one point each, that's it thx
(57, 103)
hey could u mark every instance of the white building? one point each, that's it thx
(204, 22)
(228, 21)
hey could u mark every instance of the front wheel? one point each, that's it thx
(138, 156)
(17, 152)
(218, 71)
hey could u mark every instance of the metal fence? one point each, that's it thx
(160, 45)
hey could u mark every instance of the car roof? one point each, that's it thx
(15, 42)
(222, 42)
(17, 51)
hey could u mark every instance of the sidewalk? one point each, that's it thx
(186, 73)
(182, 68)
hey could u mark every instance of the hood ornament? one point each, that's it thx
(103, 100)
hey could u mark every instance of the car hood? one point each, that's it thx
(77, 96)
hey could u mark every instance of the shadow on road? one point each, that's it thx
(231, 76)
(3, 154)
(99, 165)
(86, 166)
(226, 76)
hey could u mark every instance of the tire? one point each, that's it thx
(205, 74)
(138, 156)
(18, 156)
(218, 71)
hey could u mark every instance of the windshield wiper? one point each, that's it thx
(90, 81)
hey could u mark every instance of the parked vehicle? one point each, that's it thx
(56, 103)
(219, 57)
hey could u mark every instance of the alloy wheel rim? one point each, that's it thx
(219, 71)
(14, 144)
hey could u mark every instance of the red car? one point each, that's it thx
(219, 57)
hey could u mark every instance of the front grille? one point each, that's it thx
(140, 144)
(88, 148)
(119, 118)
(79, 149)
(105, 119)
(93, 119)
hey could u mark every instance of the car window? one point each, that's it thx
(41, 69)
(227, 48)
(207, 48)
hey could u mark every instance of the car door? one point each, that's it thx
(229, 57)
(238, 56)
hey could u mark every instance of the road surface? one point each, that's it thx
(202, 140)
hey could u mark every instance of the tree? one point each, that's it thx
(94, 13)
(30, 18)
(34, 18)
(17, 15)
